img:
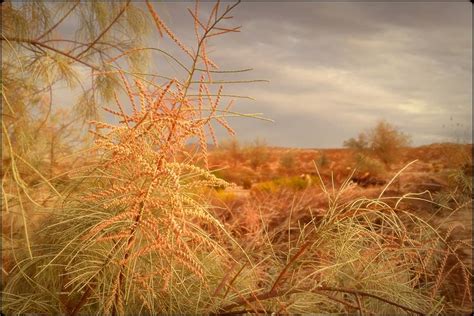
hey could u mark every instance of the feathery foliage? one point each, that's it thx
(131, 233)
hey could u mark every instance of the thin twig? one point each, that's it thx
(105, 30)
(285, 269)
(40, 44)
(270, 295)
(59, 22)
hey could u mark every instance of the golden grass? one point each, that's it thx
(383, 257)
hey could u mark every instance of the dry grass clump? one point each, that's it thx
(353, 254)
(458, 175)
(241, 176)
(284, 183)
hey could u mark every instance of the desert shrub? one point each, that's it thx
(242, 176)
(386, 142)
(297, 183)
(322, 161)
(456, 155)
(383, 141)
(458, 176)
(365, 164)
(460, 184)
(232, 149)
(225, 196)
(282, 183)
(287, 161)
(257, 153)
(360, 144)
(267, 186)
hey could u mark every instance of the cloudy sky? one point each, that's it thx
(335, 68)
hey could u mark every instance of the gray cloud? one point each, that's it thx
(335, 68)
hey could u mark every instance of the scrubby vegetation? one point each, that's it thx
(128, 219)
(383, 142)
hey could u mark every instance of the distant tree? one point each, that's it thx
(383, 141)
(386, 142)
(360, 143)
